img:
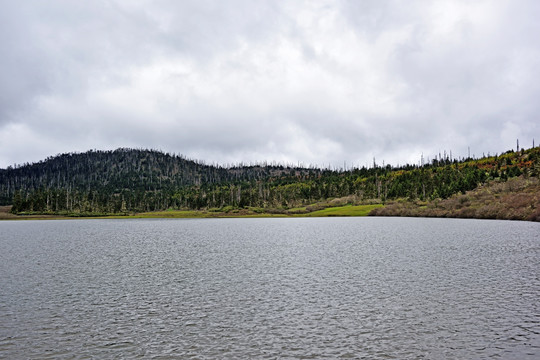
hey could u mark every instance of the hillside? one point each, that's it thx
(514, 199)
(98, 177)
(129, 181)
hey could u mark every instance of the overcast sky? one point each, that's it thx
(315, 82)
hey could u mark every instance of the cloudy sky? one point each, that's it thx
(315, 82)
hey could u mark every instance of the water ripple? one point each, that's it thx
(270, 288)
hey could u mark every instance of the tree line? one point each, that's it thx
(136, 180)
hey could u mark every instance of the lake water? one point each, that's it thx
(375, 288)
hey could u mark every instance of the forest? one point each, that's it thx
(126, 181)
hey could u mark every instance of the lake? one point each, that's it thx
(302, 288)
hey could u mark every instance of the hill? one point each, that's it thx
(515, 199)
(99, 181)
(131, 180)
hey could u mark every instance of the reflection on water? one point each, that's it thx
(268, 288)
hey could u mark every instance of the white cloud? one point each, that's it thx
(314, 82)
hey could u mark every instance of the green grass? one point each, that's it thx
(297, 209)
(177, 214)
(347, 210)
(200, 214)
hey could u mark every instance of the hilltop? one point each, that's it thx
(128, 181)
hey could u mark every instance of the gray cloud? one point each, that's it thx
(320, 82)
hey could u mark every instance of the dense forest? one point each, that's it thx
(135, 180)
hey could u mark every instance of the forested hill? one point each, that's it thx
(128, 180)
(107, 173)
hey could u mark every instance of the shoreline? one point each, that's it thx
(338, 211)
(388, 210)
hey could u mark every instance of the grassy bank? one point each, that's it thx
(346, 210)
(5, 214)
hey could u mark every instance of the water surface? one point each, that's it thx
(388, 288)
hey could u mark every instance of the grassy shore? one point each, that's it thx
(6, 215)
(347, 210)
